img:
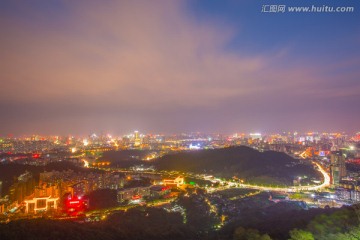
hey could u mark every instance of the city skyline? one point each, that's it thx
(169, 67)
(129, 133)
(182, 119)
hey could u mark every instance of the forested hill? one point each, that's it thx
(243, 162)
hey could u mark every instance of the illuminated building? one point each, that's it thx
(278, 197)
(94, 150)
(47, 190)
(113, 181)
(2, 207)
(357, 137)
(131, 193)
(337, 167)
(75, 204)
(158, 191)
(24, 187)
(78, 189)
(137, 139)
(136, 134)
(25, 145)
(349, 190)
(6, 205)
(41, 204)
(255, 136)
(101, 164)
(194, 147)
(45, 197)
(178, 181)
(86, 163)
(6, 145)
(348, 194)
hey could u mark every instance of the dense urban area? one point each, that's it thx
(179, 120)
(200, 185)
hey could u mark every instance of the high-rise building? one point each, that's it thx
(136, 134)
(137, 139)
(23, 187)
(337, 167)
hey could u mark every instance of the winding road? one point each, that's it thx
(325, 183)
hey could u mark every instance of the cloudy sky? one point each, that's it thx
(177, 66)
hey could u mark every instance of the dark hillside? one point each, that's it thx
(243, 162)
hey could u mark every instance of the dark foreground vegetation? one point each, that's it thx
(154, 223)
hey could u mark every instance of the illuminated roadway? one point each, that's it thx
(326, 179)
(289, 189)
(103, 213)
(229, 184)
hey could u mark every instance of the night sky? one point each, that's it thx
(77, 67)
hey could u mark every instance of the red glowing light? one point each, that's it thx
(136, 197)
(165, 188)
(75, 205)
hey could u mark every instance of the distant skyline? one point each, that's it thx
(128, 133)
(77, 67)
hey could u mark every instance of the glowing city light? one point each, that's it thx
(86, 163)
